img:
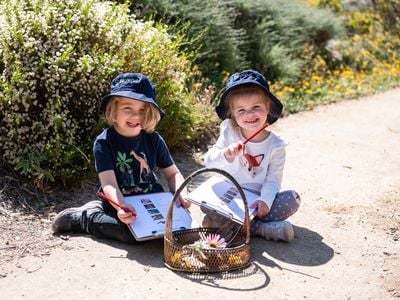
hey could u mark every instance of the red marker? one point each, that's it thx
(103, 196)
(253, 135)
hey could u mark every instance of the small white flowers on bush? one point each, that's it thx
(57, 59)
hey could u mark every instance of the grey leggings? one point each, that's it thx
(285, 204)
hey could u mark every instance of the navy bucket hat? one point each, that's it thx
(250, 77)
(132, 85)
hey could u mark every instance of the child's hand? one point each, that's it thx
(262, 209)
(127, 217)
(182, 201)
(232, 151)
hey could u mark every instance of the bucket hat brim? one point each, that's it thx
(131, 95)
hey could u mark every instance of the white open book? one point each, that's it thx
(222, 196)
(152, 211)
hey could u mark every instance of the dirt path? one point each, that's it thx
(343, 159)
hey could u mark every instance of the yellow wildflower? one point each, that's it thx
(187, 262)
(174, 258)
(234, 259)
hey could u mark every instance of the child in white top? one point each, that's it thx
(246, 106)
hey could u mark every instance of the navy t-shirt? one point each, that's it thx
(133, 159)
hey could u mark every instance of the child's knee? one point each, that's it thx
(288, 203)
(296, 197)
(295, 200)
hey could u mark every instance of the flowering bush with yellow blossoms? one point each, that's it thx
(364, 63)
(57, 58)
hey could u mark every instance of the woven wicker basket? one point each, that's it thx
(179, 254)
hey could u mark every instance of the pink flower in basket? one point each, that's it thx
(215, 241)
(210, 241)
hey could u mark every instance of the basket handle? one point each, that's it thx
(246, 223)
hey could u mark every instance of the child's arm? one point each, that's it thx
(175, 179)
(111, 190)
(223, 153)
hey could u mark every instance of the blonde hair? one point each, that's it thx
(150, 119)
(242, 91)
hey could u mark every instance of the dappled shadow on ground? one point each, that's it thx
(307, 249)
(216, 280)
(148, 253)
(26, 214)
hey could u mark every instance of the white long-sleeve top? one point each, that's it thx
(261, 169)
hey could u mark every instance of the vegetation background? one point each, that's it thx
(57, 60)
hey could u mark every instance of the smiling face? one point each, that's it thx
(129, 115)
(249, 111)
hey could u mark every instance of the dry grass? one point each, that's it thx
(391, 215)
(385, 215)
(338, 209)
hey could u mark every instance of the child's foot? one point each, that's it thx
(70, 219)
(276, 230)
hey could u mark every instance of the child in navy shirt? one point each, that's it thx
(126, 157)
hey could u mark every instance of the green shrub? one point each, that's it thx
(334, 5)
(359, 22)
(230, 35)
(363, 62)
(389, 10)
(279, 31)
(57, 58)
(209, 27)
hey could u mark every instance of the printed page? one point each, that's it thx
(222, 196)
(152, 212)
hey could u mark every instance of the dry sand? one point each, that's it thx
(343, 159)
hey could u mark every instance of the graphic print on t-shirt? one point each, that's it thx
(138, 165)
(252, 163)
(144, 167)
